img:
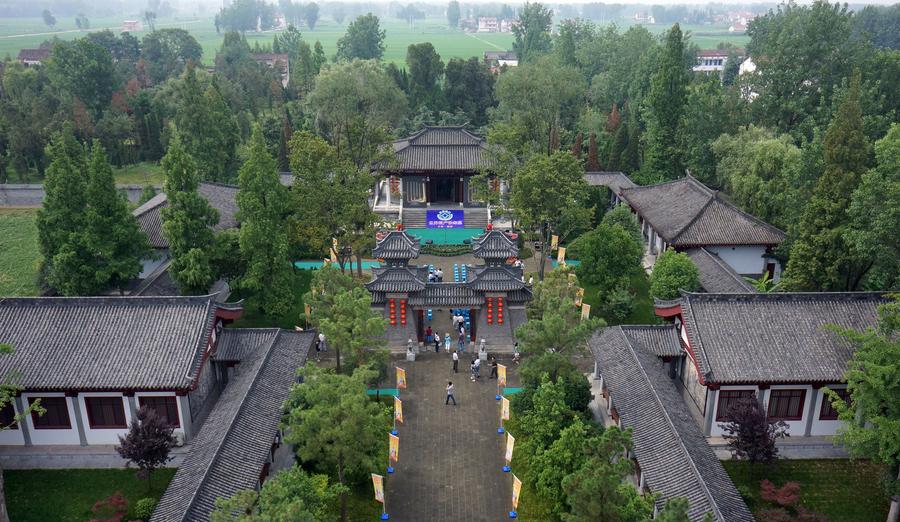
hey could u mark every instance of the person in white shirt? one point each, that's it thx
(455, 362)
(322, 342)
(450, 394)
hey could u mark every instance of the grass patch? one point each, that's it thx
(145, 173)
(254, 318)
(840, 489)
(65, 495)
(643, 312)
(19, 254)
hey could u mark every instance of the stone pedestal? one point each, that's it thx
(411, 356)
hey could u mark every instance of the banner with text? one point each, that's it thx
(398, 410)
(445, 219)
(401, 378)
(517, 488)
(510, 444)
(501, 375)
(394, 447)
(378, 484)
(504, 408)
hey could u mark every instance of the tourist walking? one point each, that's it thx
(455, 362)
(493, 368)
(439, 274)
(462, 340)
(472, 370)
(322, 346)
(428, 334)
(450, 396)
(437, 343)
(477, 367)
(447, 342)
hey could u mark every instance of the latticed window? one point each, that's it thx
(786, 404)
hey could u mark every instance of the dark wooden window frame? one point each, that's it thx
(827, 411)
(729, 396)
(8, 417)
(170, 403)
(94, 405)
(786, 395)
(42, 422)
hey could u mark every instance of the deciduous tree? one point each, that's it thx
(453, 14)
(148, 442)
(425, 71)
(364, 40)
(750, 433)
(292, 494)
(672, 272)
(532, 31)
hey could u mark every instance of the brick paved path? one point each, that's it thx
(450, 457)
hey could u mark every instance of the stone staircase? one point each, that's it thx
(475, 217)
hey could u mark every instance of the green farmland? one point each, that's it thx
(20, 33)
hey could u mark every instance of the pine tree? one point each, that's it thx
(187, 222)
(620, 141)
(593, 162)
(614, 119)
(630, 160)
(577, 145)
(554, 139)
(112, 232)
(284, 164)
(263, 239)
(665, 106)
(821, 259)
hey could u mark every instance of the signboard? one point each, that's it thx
(585, 311)
(501, 375)
(504, 408)
(510, 444)
(517, 488)
(445, 218)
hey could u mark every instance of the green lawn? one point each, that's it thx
(841, 490)
(140, 174)
(65, 495)
(253, 318)
(643, 306)
(19, 255)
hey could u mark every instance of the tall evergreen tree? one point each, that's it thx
(577, 145)
(593, 160)
(665, 107)
(208, 129)
(263, 238)
(187, 222)
(631, 156)
(112, 232)
(820, 258)
(64, 188)
(620, 141)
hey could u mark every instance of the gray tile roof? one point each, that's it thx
(34, 55)
(494, 244)
(233, 445)
(779, 337)
(686, 213)
(398, 279)
(220, 196)
(443, 295)
(32, 194)
(668, 445)
(500, 55)
(659, 340)
(613, 180)
(398, 245)
(450, 148)
(495, 279)
(717, 276)
(235, 344)
(98, 343)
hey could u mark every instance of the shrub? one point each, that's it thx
(785, 496)
(110, 509)
(672, 272)
(525, 253)
(144, 508)
(618, 304)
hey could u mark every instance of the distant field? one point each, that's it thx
(449, 43)
(19, 256)
(145, 173)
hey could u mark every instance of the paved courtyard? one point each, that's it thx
(450, 457)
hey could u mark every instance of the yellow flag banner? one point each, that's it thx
(510, 443)
(398, 409)
(307, 310)
(501, 375)
(561, 255)
(333, 250)
(378, 484)
(401, 378)
(517, 488)
(394, 447)
(504, 408)
(554, 242)
(585, 311)
(579, 297)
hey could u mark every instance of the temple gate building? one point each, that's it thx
(491, 296)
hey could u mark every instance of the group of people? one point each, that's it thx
(437, 276)
(474, 368)
(434, 339)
